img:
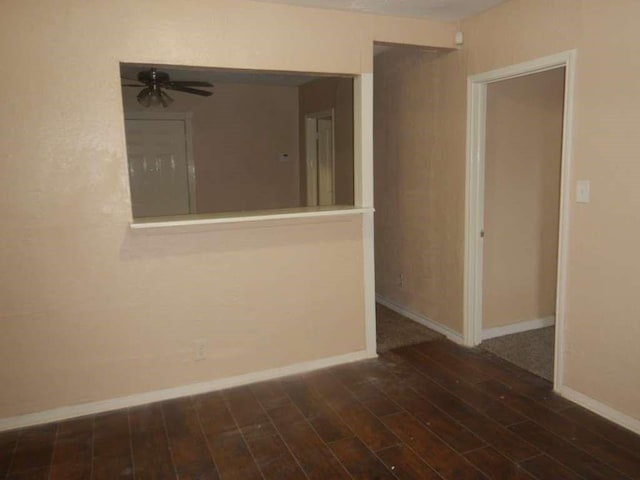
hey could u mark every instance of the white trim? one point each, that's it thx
(601, 409)
(520, 327)
(565, 201)
(363, 140)
(177, 392)
(185, 117)
(363, 195)
(421, 319)
(474, 182)
(369, 284)
(474, 213)
(246, 217)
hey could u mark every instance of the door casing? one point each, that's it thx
(474, 214)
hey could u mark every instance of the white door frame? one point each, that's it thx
(363, 196)
(311, 176)
(186, 117)
(474, 214)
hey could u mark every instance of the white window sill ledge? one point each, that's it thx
(228, 218)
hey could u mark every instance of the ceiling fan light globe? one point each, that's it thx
(143, 97)
(165, 99)
(154, 100)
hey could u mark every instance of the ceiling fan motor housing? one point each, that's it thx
(153, 76)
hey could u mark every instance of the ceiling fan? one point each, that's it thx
(155, 82)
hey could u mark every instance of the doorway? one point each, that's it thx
(539, 233)
(320, 157)
(521, 207)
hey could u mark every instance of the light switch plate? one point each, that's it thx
(583, 191)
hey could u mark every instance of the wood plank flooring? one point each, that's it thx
(429, 411)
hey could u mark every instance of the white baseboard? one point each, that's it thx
(518, 327)
(601, 409)
(73, 411)
(421, 319)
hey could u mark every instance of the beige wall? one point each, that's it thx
(601, 324)
(601, 355)
(523, 155)
(237, 149)
(414, 229)
(92, 310)
(320, 96)
(239, 134)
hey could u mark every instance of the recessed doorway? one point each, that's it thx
(523, 156)
(517, 202)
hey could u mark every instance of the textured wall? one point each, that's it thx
(237, 147)
(601, 329)
(92, 310)
(601, 324)
(418, 263)
(523, 155)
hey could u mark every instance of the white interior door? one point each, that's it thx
(158, 168)
(311, 146)
(320, 159)
(325, 161)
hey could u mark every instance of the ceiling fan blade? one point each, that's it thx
(187, 83)
(130, 85)
(179, 88)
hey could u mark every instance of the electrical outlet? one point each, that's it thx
(401, 280)
(199, 350)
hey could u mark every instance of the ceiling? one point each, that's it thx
(446, 10)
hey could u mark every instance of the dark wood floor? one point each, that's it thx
(432, 411)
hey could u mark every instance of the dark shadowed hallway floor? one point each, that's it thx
(393, 330)
(532, 350)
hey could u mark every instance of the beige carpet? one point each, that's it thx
(532, 350)
(393, 330)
